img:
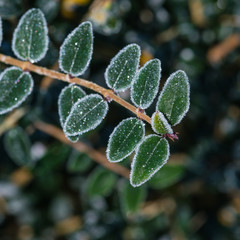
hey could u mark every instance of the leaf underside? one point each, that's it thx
(150, 156)
(173, 101)
(30, 39)
(86, 114)
(167, 176)
(131, 197)
(145, 85)
(15, 86)
(101, 182)
(122, 68)
(124, 139)
(17, 145)
(76, 51)
(67, 98)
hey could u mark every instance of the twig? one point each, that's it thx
(81, 147)
(107, 93)
(11, 120)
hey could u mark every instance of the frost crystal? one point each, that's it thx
(76, 50)
(30, 38)
(173, 101)
(67, 98)
(160, 124)
(86, 114)
(152, 153)
(15, 86)
(122, 68)
(146, 83)
(124, 139)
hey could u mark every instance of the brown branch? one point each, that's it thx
(81, 147)
(107, 93)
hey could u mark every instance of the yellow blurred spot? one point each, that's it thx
(146, 56)
(98, 12)
(68, 7)
(25, 232)
(226, 217)
(68, 225)
(21, 176)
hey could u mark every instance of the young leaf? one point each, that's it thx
(169, 175)
(151, 155)
(76, 50)
(160, 124)
(17, 145)
(173, 101)
(124, 139)
(130, 197)
(146, 83)
(86, 114)
(15, 86)
(122, 68)
(1, 31)
(10, 9)
(30, 38)
(67, 98)
(79, 162)
(101, 182)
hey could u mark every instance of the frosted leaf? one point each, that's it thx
(151, 154)
(101, 182)
(67, 98)
(76, 50)
(30, 38)
(1, 31)
(122, 68)
(130, 197)
(15, 86)
(174, 101)
(86, 114)
(17, 145)
(146, 83)
(124, 139)
(160, 124)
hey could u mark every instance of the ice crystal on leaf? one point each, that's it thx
(146, 83)
(30, 38)
(76, 50)
(122, 68)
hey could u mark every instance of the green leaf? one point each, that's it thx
(15, 86)
(174, 101)
(50, 8)
(101, 182)
(67, 98)
(1, 31)
(160, 124)
(151, 155)
(17, 145)
(122, 68)
(124, 139)
(30, 38)
(9, 9)
(167, 176)
(130, 197)
(146, 83)
(86, 114)
(76, 50)
(79, 162)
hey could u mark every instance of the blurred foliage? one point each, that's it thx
(197, 195)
